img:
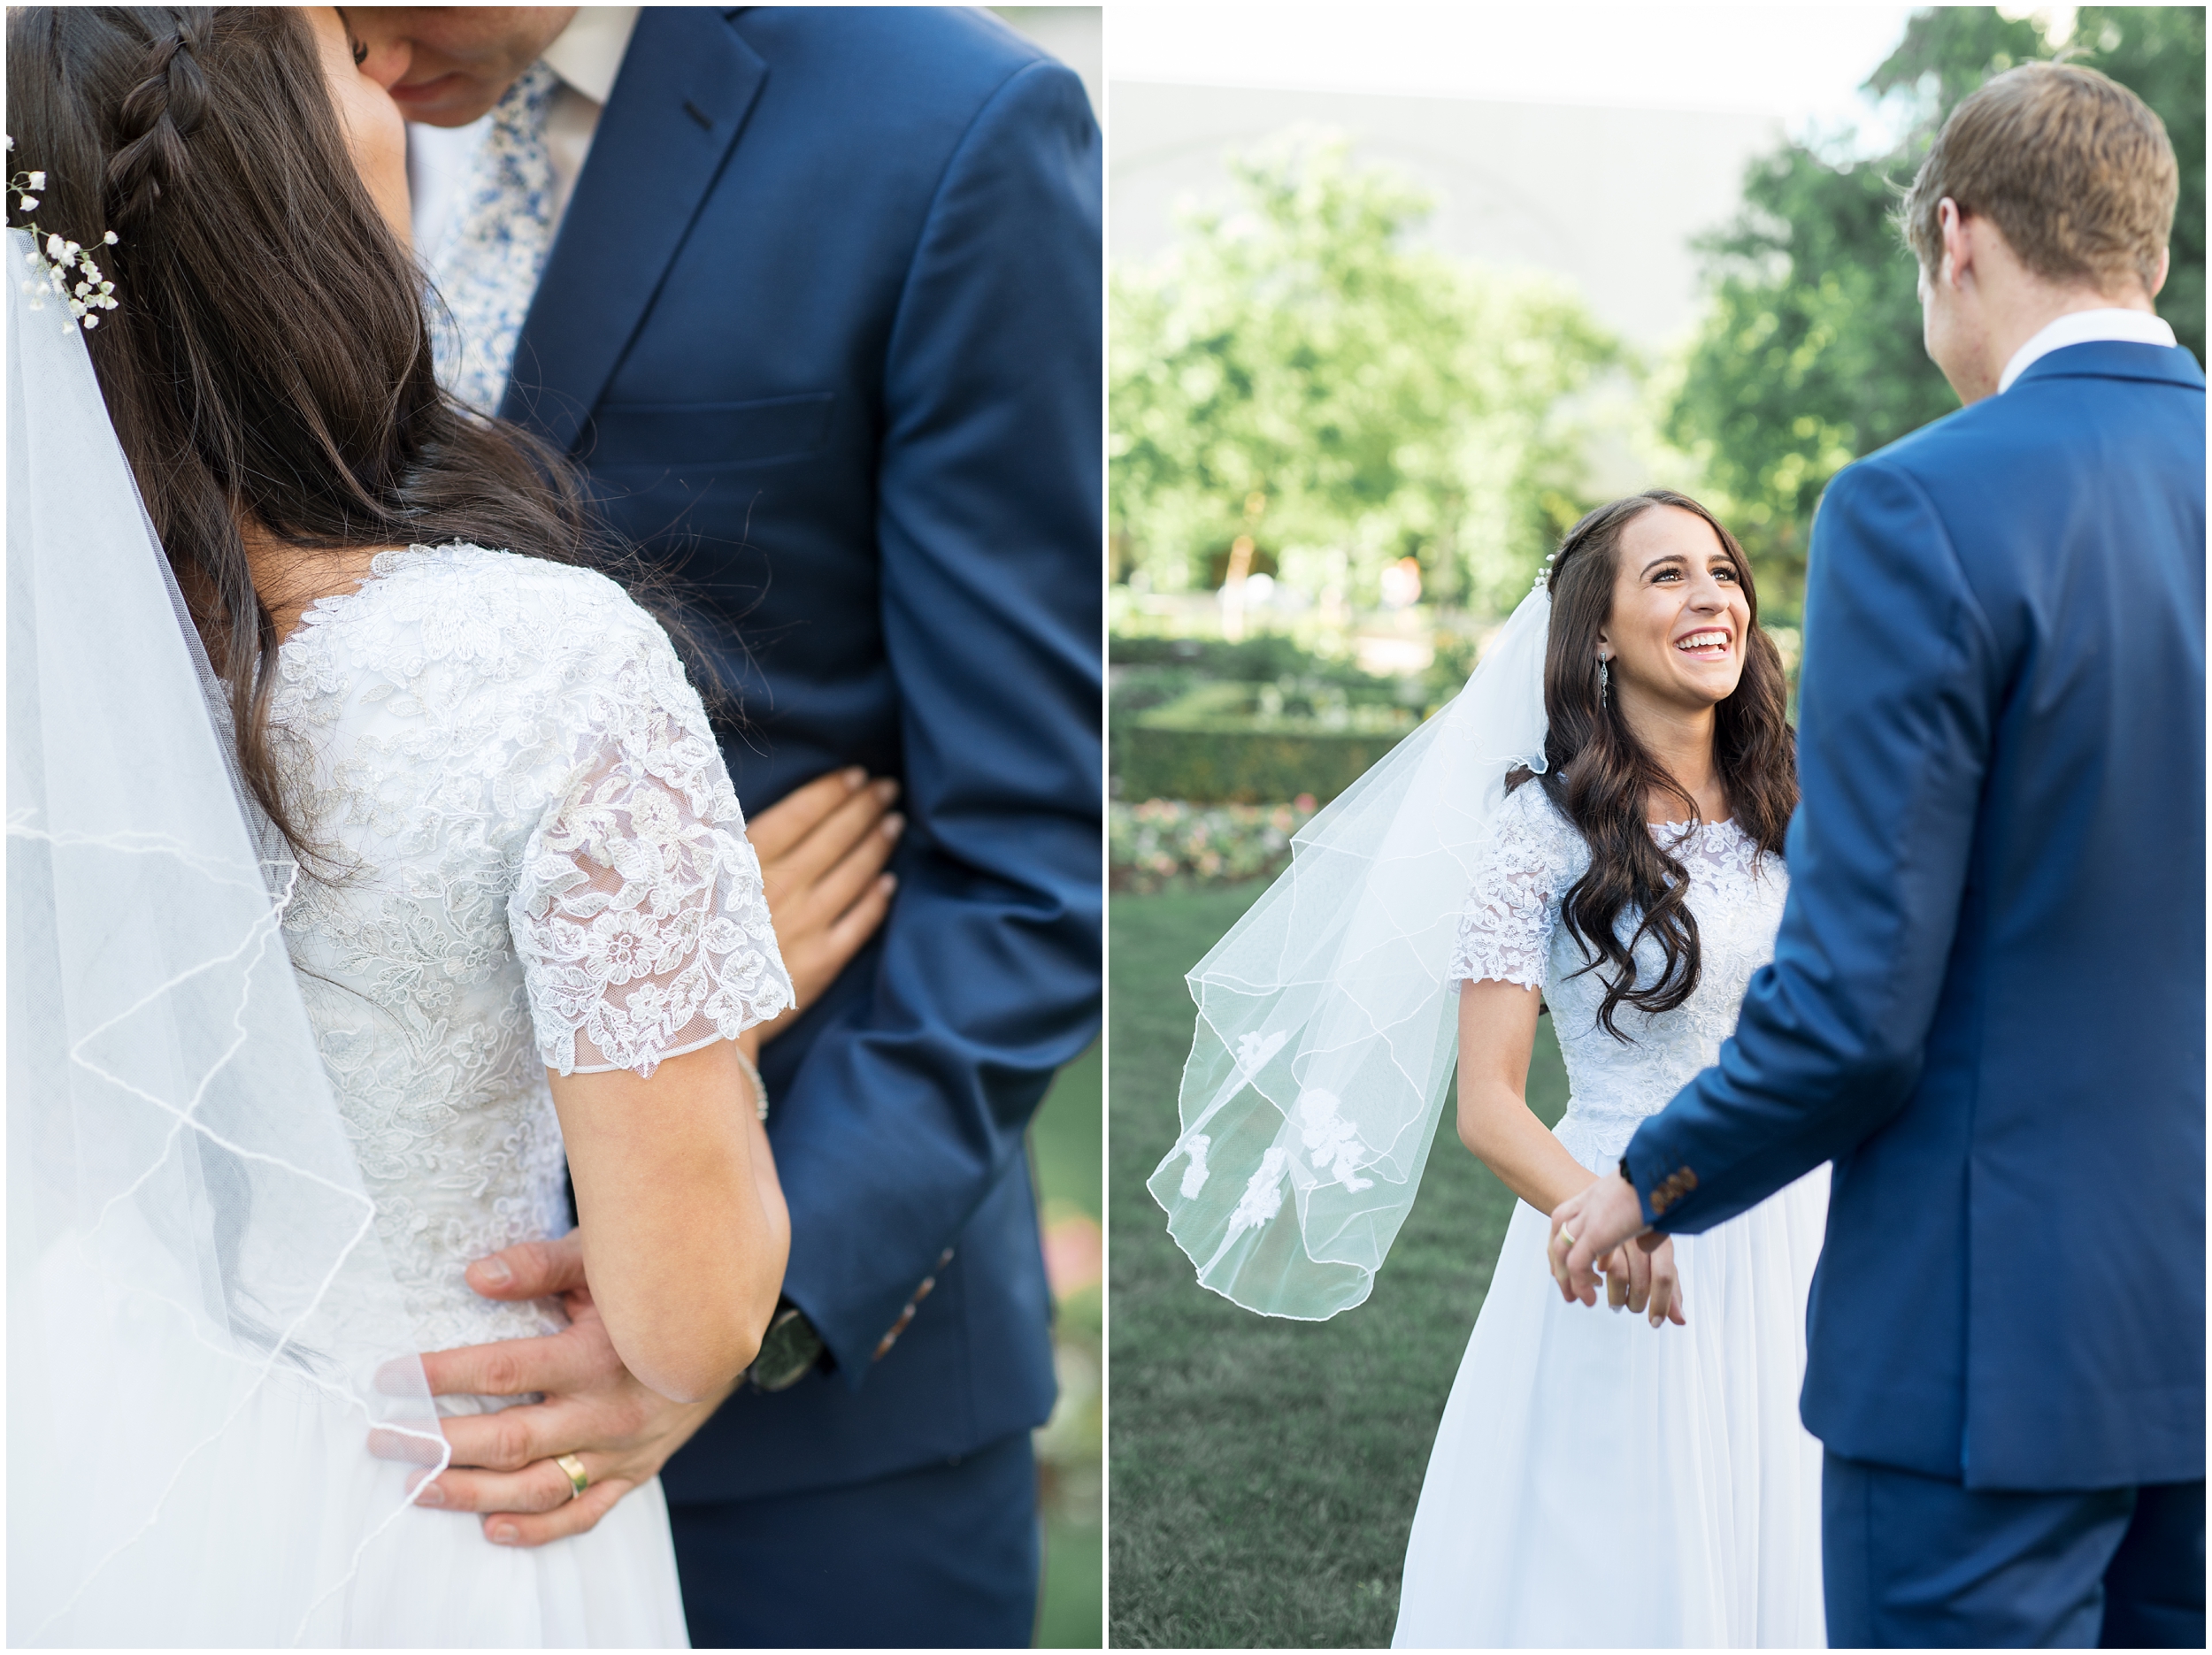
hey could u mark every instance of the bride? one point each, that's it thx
(1610, 793)
(262, 672)
(1634, 888)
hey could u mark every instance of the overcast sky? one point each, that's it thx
(1799, 63)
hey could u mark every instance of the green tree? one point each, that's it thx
(1293, 372)
(1810, 355)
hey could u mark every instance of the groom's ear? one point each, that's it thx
(1957, 243)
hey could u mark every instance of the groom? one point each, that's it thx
(1986, 1004)
(813, 295)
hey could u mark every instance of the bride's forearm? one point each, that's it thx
(1497, 1035)
(1497, 1124)
(684, 1228)
(769, 1189)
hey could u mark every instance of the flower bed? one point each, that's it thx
(1164, 840)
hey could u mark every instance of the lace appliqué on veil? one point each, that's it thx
(639, 915)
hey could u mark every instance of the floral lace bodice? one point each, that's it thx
(1511, 931)
(537, 861)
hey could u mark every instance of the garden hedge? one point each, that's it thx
(1235, 764)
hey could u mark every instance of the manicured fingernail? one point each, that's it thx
(429, 1494)
(854, 778)
(493, 1272)
(886, 790)
(888, 884)
(894, 825)
(505, 1534)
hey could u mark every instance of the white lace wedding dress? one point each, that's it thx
(537, 861)
(1597, 1482)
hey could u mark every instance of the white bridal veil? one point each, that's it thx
(1326, 1028)
(202, 1327)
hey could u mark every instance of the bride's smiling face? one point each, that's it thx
(1676, 634)
(375, 132)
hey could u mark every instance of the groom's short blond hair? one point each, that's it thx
(2075, 170)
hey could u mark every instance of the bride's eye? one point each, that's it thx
(360, 52)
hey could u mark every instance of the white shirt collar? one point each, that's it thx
(2081, 327)
(588, 54)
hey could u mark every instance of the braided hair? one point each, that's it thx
(1603, 778)
(156, 117)
(270, 365)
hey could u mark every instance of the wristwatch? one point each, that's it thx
(788, 1351)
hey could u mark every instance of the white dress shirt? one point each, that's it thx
(588, 56)
(2082, 327)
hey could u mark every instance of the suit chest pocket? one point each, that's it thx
(695, 439)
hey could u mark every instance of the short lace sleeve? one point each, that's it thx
(638, 913)
(1505, 928)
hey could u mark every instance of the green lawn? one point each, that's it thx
(1066, 1148)
(1263, 1472)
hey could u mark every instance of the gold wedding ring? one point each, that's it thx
(1569, 1234)
(579, 1479)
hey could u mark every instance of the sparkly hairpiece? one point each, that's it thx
(59, 260)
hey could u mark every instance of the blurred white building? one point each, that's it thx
(1607, 198)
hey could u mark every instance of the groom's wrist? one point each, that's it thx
(1643, 1210)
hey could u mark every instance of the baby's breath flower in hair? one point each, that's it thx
(69, 270)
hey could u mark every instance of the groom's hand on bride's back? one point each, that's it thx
(503, 1464)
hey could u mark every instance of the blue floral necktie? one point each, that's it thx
(495, 250)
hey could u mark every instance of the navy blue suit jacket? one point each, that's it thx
(823, 326)
(1986, 1002)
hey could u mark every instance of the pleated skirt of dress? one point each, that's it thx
(1597, 1482)
(439, 1582)
(282, 1530)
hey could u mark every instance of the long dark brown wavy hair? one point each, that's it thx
(1602, 777)
(271, 360)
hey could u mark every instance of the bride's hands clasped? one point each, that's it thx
(1645, 1283)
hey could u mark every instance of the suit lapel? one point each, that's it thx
(687, 85)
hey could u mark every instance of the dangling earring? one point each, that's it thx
(1605, 678)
